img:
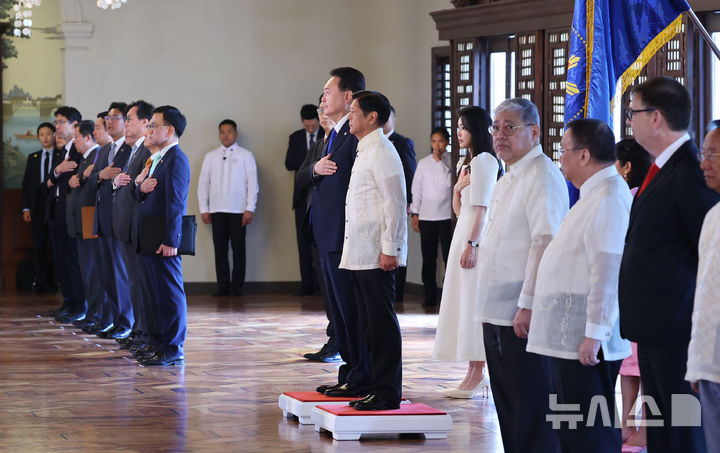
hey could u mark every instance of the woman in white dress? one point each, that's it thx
(459, 335)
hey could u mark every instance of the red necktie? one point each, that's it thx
(650, 175)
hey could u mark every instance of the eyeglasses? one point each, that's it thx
(631, 112)
(153, 126)
(562, 151)
(113, 118)
(710, 157)
(506, 129)
(59, 122)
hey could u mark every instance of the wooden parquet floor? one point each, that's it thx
(62, 390)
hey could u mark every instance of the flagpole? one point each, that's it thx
(703, 32)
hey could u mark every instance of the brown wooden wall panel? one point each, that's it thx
(17, 238)
(553, 121)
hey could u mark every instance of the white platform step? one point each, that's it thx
(346, 423)
(300, 404)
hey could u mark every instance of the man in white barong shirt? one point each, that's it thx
(375, 244)
(527, 207)
(703, 367)
(575, 308)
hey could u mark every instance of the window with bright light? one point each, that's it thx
(498, 78)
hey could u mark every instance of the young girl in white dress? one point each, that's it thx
(459, 336)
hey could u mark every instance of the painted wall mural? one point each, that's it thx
(32, 87)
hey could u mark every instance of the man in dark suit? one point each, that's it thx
(81, 195)
(112, 268)
(327, 217)
(34, 192)
(65, 254)
(659, 263)
(303, 182)
(126, 210)
(299, 143)
(406, 149)
(163, 191)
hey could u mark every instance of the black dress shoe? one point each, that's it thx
(331, 357)
(85, 325)
(221, 293)
(127, 340)
(118, 333)
(104, 329)
(85, 322)
(304, 292)
(162, 359)
(354, 402)
(71, 318)
(60, 312)
(323, 388)
(142, 349)
(346, 391)
(373, 402)
(100, 325)
(316, 356)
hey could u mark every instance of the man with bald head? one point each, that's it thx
(703, 367)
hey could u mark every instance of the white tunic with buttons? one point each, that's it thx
(375, 206)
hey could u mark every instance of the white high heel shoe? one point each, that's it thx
(483, 386)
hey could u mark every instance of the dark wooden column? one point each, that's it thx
(3, 28)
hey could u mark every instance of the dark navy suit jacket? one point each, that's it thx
(659, 263)
(104, 206)
(294, 158)
(169, 199)
(61, 185)
(78, 198)
(327, 204)
(406, 149)
(126, 208)
(34, 191)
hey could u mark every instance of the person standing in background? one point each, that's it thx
(299, 144)
(632, 162)
(227, 196)
(34, 197)
(430, 208)
(459, 336)
(406, 150)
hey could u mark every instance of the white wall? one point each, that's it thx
(256, 61)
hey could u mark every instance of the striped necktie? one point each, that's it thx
(111, 154)
(132, 153)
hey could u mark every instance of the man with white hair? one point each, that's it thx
(527, 207)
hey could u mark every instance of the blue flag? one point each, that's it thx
(611, 41)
